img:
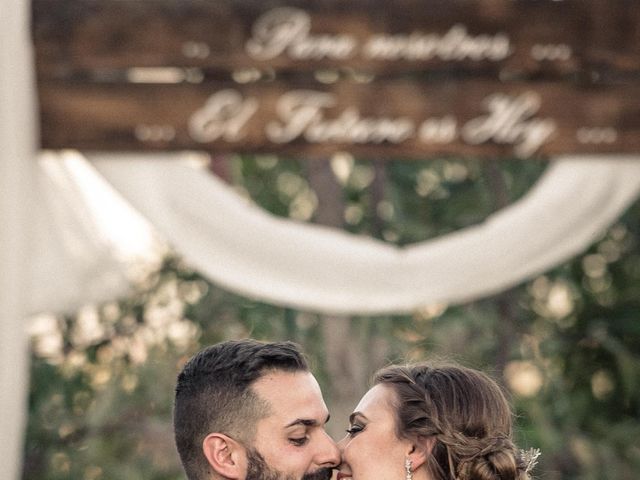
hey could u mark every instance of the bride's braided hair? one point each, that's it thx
(467, 414)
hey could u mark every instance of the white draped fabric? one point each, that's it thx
(71, 245)
(311, 267)
(52, 255)
(17, 153)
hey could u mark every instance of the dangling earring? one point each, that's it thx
(407, 467)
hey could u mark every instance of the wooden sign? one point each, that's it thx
(378, 78)
(517, 37)
(384, 119)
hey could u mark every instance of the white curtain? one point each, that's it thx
(53, 256)
(240, 246)
(74, 259)
(17, 167)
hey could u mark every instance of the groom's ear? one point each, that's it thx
(225, 455)
(420, 451)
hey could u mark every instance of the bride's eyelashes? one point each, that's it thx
(353, 430)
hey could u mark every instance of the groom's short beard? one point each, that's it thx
(320, 474)
(257, 469)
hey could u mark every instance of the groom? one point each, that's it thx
(249, 410)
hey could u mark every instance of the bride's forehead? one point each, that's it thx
(378, 397)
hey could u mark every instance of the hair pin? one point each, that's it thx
(530, 458)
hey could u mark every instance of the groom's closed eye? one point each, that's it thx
(299, 442)
(299, 435)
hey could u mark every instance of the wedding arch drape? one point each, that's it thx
(17, 167)
(55, 256)
(311, 267)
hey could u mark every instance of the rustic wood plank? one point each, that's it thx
(543, 38)
(393, 119)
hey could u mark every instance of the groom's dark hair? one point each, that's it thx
(213, 394)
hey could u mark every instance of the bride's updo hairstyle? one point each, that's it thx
(467, 414)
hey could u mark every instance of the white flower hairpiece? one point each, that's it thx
(530, 458)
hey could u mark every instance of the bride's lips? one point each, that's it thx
(342, 475)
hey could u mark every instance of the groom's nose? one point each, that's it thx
(328, 453)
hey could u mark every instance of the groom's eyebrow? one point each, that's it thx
(307, 422)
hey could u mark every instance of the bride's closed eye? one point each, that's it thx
(353, 430)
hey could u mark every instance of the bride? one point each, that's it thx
(433, 422)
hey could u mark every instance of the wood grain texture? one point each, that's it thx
(596, 38)
(392, 119)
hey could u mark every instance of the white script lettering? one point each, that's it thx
(510, 122)
(286, 30)
(223, 116)
(317, 117)
(455, 45)
(302, 114)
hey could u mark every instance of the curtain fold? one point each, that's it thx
(74, 260)
(53, 257)
(247, 250)
(17, 170)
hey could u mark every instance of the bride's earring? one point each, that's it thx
(407, 467)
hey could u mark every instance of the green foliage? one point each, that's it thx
(566, 344)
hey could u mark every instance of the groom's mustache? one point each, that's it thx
(321, 474)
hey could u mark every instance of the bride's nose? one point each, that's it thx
(342, 443)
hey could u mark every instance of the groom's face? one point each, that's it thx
(290, 442)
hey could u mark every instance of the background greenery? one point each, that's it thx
(565, 344)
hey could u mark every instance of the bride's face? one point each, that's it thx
(371, 449)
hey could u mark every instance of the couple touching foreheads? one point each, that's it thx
(249, 410)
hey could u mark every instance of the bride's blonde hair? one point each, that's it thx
(467, 414)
